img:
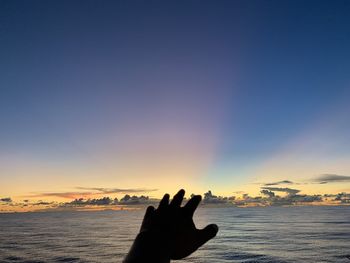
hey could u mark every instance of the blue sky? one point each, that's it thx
(210, 89)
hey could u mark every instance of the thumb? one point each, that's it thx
(207, 233)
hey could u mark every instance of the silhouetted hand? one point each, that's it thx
(168, 232)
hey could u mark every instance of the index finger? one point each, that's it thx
(192, 204)
(177, 200)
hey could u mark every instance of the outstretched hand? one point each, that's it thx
(169, 232)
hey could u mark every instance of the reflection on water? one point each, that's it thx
(272, 234)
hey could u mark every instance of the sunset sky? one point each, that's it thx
(150, 96)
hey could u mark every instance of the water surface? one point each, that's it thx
(271, 234)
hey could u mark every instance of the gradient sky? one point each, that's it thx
(219, 95)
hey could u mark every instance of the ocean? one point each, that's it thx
(269, 234)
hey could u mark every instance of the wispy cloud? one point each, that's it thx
(118, 190)
(279, 183)
(91, 191)
(331, 178)
(68, 195)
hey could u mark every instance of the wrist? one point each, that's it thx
(149, 246)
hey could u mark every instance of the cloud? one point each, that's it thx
(287, 190)
(118, 190)
(291, 199)
(43, 203)
(91, 192)
(68, 195)
(132, 200)
(294, 200)
(209, 198)
(344, 198)
(6, 200)
(94, 201)
(106, 201)
(267, 192)
(331, 178)
(279, 182)
(268, 198)
(306, 198)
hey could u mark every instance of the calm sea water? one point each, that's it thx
(272, 234)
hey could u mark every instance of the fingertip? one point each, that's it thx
(166, 197)
(207, 233)
(196, 200)
(150, 208)
(215, 228)
(212, 230)
(149, 211)
(178, 198)
(199, 197)
(164, 202)
(192, 204)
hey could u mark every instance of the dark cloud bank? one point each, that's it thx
(6, 200)
(269, 197)
(331, 178)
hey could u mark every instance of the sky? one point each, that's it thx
(152, 96)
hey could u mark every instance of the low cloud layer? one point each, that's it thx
(94, 201)
(92, 198)
(107, 201)
(287, 190)
(331, 178)
(269, 197)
